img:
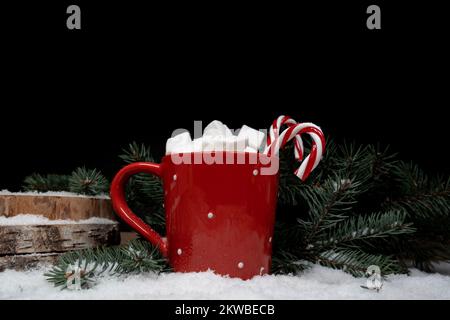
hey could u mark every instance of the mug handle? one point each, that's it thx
(121, 207)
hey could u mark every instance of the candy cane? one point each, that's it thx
(274, 130)
(276, 141)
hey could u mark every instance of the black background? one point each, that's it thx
(138, 71)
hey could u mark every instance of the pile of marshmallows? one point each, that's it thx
(217, 137)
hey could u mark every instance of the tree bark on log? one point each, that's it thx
(23, 239)
(56, 207)
(24, 246)
(26, 261)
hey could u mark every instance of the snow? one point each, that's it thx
(316, 283)
(443, 268)
(52, 194)
(32, 219)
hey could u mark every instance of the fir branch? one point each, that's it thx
(284, 262)
(145, 188)
(329, 205)
(152, 214)
(288, 237)
(382, 162)
(356, 262)
(144, 192)
(141, 256)
(423, 250)
(420, 196)
(363, 228)
(44, 183)
(136, 153)
(369, 165)
(290, 188)
(329, 165)
(135, 257)
(89, 182)
(354, 161)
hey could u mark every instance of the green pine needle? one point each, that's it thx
(44, 183)
(136, 153)
(357, 262)
(420, 196)
(363, 228)
(88, 182)
(329, 204)
(144, 192)
(135, 257)
(287, 263)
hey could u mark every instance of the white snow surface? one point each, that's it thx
(52, 194)
(32, 219)
(316, 283)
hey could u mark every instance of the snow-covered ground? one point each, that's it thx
(316, 283)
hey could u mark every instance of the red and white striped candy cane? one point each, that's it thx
(274, 131)
(276, 141)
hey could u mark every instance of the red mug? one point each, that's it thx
(218, 216)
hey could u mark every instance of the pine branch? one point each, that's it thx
(89, 182)
(421, 197)
(145, 194)
(135, 257)
(136, 153)
(382, 162)
(288, 237)
(423, 250)
(152, 214)
(82, 181)
(354, 162)
(354, 230)
(329, 165)
(290, 188)
(329, 205)
(356, 262)
(369, 165)
(345, 176)
(145, 188)
(284, 262)
(44, 183)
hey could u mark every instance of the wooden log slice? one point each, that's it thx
(27, 261)
(56, 238)
(25, 245)
(55, 207)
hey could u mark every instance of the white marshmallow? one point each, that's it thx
(181, 143)
(241, 143)
(255, 138)
(234, 143)
(197, 145)
(216, 129)
(213, 143)
(250, 150)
